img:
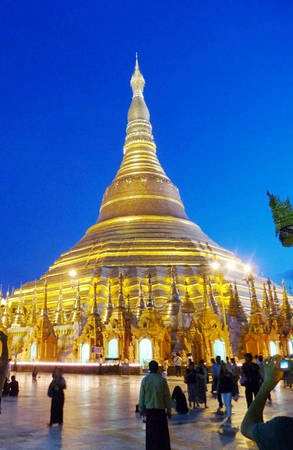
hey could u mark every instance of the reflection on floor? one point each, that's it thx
(99, 413)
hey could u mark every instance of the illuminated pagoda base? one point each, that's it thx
(144, 281)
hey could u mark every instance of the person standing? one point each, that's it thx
(56, 392)
(227, 388)
(190, 380)
(155, 404)
(235, 370)
(201, 383)
(215, 375)
(177, 363)
(260, 364)
(251, 378)
(34, 373)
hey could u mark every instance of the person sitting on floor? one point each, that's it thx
(13, 387)
(180, 400)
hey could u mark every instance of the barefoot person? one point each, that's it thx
(155, 405)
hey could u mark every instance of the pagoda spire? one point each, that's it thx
(265, 304)
(174, 302)
(141, 302)
(187, 304)
(121, 300)
(150, 303)
(235, 306)
(141, 186)
(95, 305)
(109, 308)
(271, 300)
(6, 317)
(213, 303)
(255, 307)
(19, 317)
(33, 316)
(256, 320)
(45, 305)
(286, 311)
(137, 81)
(60, 316)
(76, 313)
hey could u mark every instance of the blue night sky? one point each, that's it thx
(219, 79)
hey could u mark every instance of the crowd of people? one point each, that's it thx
(258, 377)
(11, 387)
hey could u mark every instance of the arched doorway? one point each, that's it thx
(290, 347)
(85, 353)
(113, 349)
(145, 352)
(273, 348)
(220, 349)
(33, 351)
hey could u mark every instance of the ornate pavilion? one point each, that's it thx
(144, 281)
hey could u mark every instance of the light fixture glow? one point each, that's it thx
(231, 265)
(247, 268)
(215, 265)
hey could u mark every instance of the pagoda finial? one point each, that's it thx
(137, 81)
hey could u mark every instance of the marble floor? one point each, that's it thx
(99, 413)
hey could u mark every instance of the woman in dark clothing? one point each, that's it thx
(190, 380)
(201, 383)
(180, 400)
(227, 389)
(252, 378)
(56, 392)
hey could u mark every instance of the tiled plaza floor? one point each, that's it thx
(99, 413)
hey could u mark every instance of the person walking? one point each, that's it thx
(250, 378)
(235, 370)
(56, 392)
(155, 404)
(215, 375)
(34, 373)
(227, 389)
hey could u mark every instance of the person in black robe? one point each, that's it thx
(180, 400)
(56, 392)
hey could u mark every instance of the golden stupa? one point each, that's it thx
(139, 284)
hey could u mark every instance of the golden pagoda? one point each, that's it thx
(143, 285)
